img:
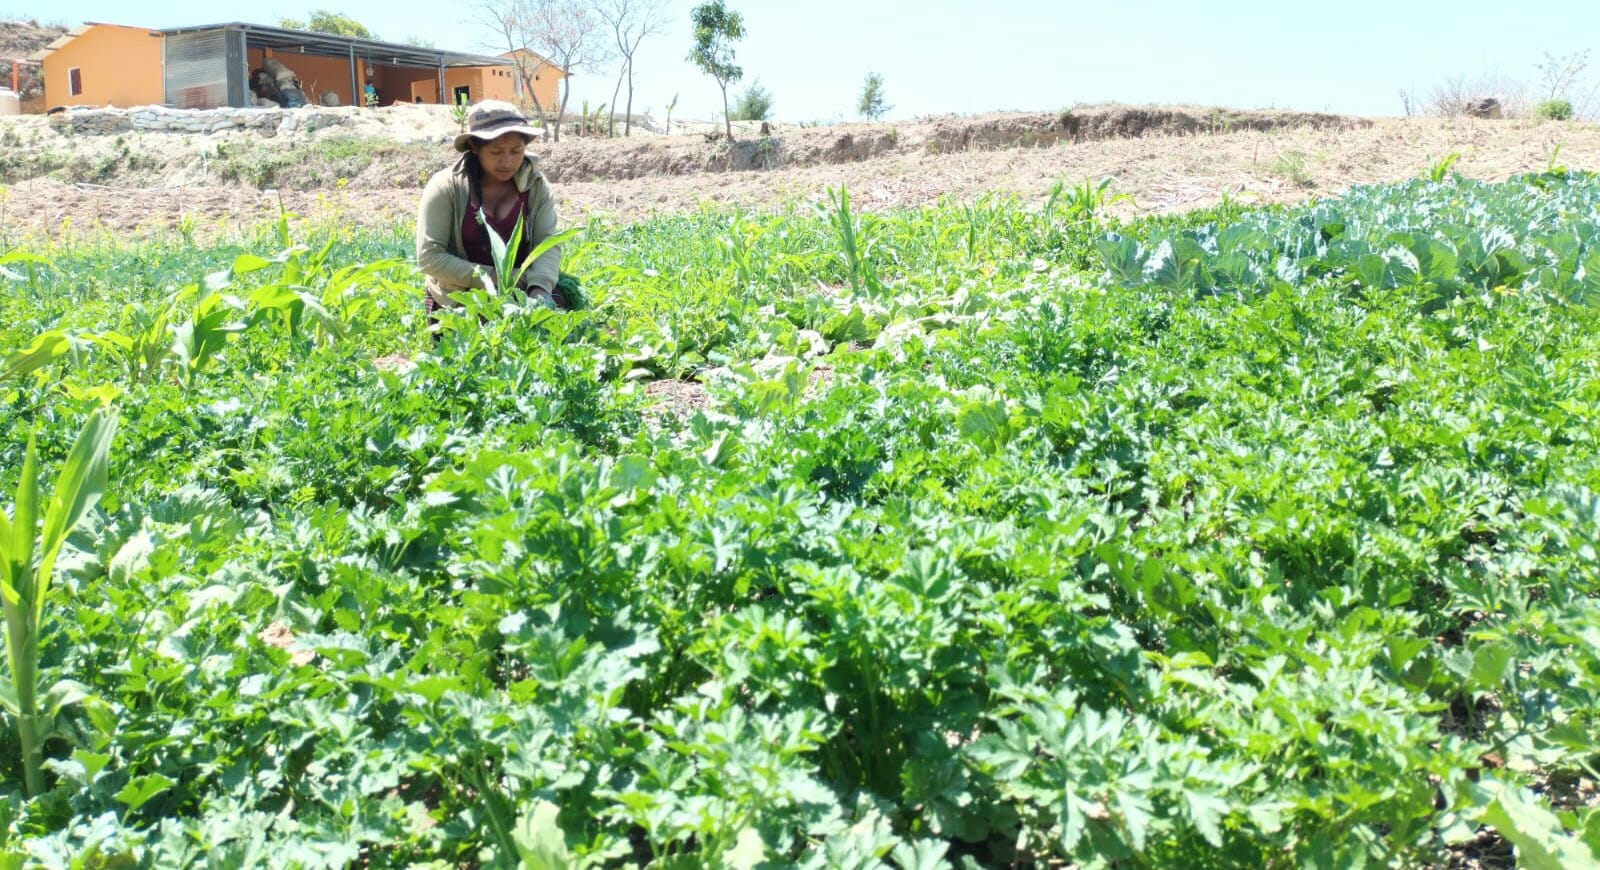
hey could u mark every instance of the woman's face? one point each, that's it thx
(502, 157)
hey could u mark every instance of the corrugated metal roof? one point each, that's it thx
(328, 44)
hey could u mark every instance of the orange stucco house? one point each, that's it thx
(211, 66)
(545, 76)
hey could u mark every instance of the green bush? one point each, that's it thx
(755, 104)
(1553, 110)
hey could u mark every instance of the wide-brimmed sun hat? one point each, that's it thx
(491, 119)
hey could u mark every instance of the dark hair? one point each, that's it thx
(474, 174)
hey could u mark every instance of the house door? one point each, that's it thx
(463, 95)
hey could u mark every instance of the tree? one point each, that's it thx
(716, 29)
(755, 104)
(548, 34)
(630, 22)
(872, 104)
(508, 22)
(1560, 82)
(324, 21)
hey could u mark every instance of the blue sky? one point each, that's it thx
(942, 56)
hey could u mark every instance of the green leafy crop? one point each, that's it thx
(983, 534)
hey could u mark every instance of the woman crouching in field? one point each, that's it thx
(496, 180)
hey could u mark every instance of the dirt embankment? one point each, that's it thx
(800, 147)
(365, 166)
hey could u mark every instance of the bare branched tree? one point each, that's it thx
(506, 18)
(1450, 98)
(559, 34)
(1561, 78)
(630, 21)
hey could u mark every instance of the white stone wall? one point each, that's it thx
(160, 119)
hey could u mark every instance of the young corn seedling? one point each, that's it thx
(1439, 170)
(508, 271)
(855, 242)
(23, 587)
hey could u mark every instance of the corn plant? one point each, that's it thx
(855, 240)
(508, 271)
(146, 342)
(30, 264)
(23, 587)
(1085, 201)
(670, 106)
(45, 349)
(741, 243)
(1439, 170)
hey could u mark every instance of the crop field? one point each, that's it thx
(989, 534)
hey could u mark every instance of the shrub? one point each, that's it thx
(755, 104)
(1553, 110)
(872, 103)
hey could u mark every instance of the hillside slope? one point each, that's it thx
(366, 166)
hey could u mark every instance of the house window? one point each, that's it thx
(74, 81)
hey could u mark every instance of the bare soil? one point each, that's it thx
(365, 166)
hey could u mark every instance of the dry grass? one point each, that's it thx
(1161, 173)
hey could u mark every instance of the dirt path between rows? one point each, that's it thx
(1165, 160)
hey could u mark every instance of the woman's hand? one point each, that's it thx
(540, 295)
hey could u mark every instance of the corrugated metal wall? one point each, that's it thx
(196, 67)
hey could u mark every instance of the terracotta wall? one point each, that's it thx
(317, 73)
(546, 84)
(482, 83)
(117, 66)
(394, 83)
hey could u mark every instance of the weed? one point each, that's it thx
(1553, 110)
(1291, 165)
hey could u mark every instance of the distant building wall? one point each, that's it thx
(317, 73)
(546, 80)
(114, 66)
(482, 83)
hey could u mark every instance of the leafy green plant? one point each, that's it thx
(508, 270)
(24, 587)
(1553, 110)
(855, 238)
(1083, 202)
(1291, 165)
(872, 104)
(1552, 161)
(1439, 170)
(753, 104)
(968, 532)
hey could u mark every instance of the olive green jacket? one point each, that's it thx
(440, 252)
